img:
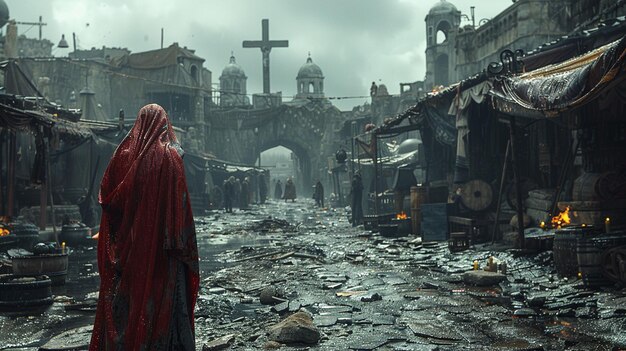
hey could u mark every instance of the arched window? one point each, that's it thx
(236, 87)
(443, 28)
(312, 88)
(430, 35)
(194, 72)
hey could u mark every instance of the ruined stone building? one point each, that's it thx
(240, 131)
(173, 77)
(455, 52)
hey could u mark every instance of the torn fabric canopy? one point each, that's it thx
(567, 85)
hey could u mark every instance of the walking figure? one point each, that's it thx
(356, 190)
(278, 190)
(290, 191)
(147, 251)
(318, 194)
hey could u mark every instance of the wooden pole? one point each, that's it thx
(518, 185)
(43, 205)
(496, 227)
(375, 162)
(12, 156)
(2, 158)
(49, 181)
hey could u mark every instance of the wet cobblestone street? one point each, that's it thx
(363, 291)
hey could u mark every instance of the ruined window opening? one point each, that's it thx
(443, 28)
(430, 35)
(194, 72)
(312, 88)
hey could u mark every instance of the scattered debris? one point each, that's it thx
(295, 329)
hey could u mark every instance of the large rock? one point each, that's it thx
(482, 278)
(295, 329)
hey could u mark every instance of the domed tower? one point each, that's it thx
(310, 81)
(233, 85)
(442, 24)
(4, 13)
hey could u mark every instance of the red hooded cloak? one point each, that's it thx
(147, 252)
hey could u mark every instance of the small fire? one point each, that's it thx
(401, 215)
(562, 219)
(4, 232)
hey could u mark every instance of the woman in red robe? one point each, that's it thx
(147, 252)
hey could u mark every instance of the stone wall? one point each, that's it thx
(524, 25)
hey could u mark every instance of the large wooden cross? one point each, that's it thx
(266, 46)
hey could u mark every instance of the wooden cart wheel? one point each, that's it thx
(476, 195)
(613, 263)
(511, 193)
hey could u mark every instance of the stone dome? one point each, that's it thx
(382, 90)
(442, 7)
(4, 13)
(310, 70)
(232, 70)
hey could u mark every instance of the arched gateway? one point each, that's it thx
(303, 126)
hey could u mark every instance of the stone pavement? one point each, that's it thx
(351, 289)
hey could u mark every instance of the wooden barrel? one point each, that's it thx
(52, 265)
(76, 234)
(22, 294)
(588, 257)
(589, 254)
(585, 187)
(415, 221)
(565, 248)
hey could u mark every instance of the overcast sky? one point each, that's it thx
(355, 42)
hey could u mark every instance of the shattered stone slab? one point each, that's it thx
(432, 331)
(221, 343)
(483, 278)
(74, 339)
(383, 320)
(281, 307)
(325, 321)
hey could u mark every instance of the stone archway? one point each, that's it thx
(239, 135)
(302, 173)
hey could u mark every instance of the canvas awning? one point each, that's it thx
(393, 160)
(561, 87)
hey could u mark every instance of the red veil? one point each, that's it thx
(147, 240)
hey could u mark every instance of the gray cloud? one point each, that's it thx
(354, 41)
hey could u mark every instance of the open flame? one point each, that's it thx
(4, 232)
(401, 215)
(561, 219)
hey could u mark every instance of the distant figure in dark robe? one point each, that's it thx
(262, 188)
(290, 191)
(147, 252)
(278, 190)
(237, 194)
(318, 194)
(245, 193)
(86, 207)
(356, 190)
(229, 194)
